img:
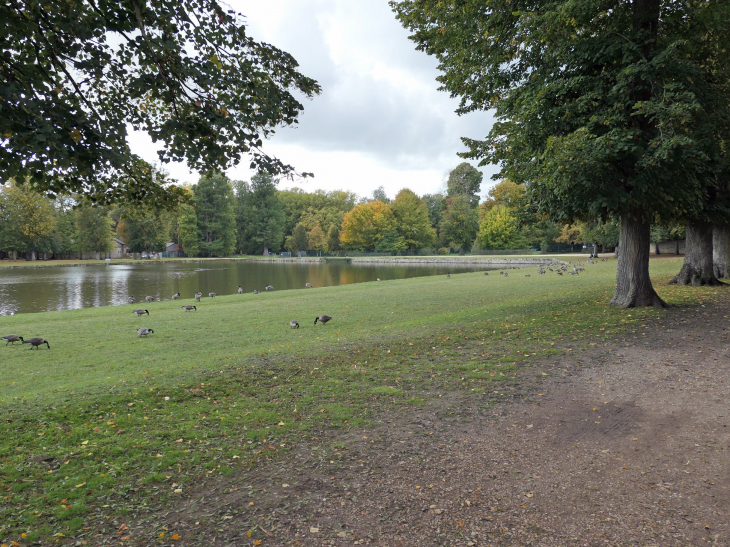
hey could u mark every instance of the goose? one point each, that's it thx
(269, 287)
(527, 275)
(293, 324)
(188, 307)
(377, 279)
(486, 273)
(176, 296)
(144, 331)
(149, 298)
(141, 312)
(448, 275)
(212, 294)
(130, 299)
(198, 295)
(36, 341)
(12, 338)
(256, 291)
(240, 289)
(308, 285)
(322, 319)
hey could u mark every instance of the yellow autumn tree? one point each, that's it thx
(364, 227)
(28, 219)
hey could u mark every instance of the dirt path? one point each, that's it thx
(622, 444)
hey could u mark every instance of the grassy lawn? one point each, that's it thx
(126, 424)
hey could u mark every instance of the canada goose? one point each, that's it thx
(198, 295)
(448, 275)
(12, 338)
(130, 299)
(256, 291)
(377, 279)
(308, 285)
(486, 273)
(240, 289)
(293, 324)
(322, 319)
(144, 331)
(176, 296)
(149, 298)
(527, 275)
(188, 307)
(212, 294)
(36, 341)
(141, 312)
(269, 287)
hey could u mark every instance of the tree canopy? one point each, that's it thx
(465, 180)
(75, 75)
(365, 226)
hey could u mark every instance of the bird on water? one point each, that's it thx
(12, 338)
(294, 324)
(36, 341)
(188, 307)
(322, 319)
(141, 312)
(144, 331)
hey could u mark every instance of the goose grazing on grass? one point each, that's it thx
(176, 296)
(12, 338)
(322, 319)
(198, 295)
(256, 291)
(269, 287)
(212, 294)
(36, 341)
(240, 289)
(144, 331)
(448, 275)
(308, 285)
(294, 324)
(188, 307)
(130, 299)
(377, 279)
(486, 273)
(141, 312)
(149, 298)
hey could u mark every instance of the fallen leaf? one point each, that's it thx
(313, 529)
(80, 485)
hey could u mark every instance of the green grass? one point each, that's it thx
(216, 391)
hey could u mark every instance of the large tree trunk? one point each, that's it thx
(697, 268)
(721, 250)
(266, 249)
(633, 285)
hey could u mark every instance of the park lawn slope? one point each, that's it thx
(110, 423)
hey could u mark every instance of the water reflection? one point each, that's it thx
(61, 288)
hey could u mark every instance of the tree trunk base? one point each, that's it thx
(636, 300)
(695, 277)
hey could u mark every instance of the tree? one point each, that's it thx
(599, 108)
(317, 239)
(436, 204)
(214, 206)
(465, 180)
(300, 238)
(263, 216)
(333, 239)
(499, 230)
(188, 230)
(412, 221)
(145, 232)
(365, 226)
(380, 195)
(504, 192)
(27, 220)
(76, 75)
(460, 224)
(94, 231)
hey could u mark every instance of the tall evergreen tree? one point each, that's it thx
(263, 216)
(215, 210)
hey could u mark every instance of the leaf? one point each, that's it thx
(313, 530)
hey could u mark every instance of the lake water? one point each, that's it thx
(28, 290)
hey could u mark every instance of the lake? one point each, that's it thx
(28, 290)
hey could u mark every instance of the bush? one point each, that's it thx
(444, 251)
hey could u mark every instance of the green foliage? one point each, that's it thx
(188, 230)
(318, 208)
(436, 205)
(76, 75)
(465, 180)
(505, 193)
(94, 232)
(380, 195)
(144, 233)
(412, 221)
(317, 239)
(27, 219)
(333, 239)
(300, 238)
(499, 230)
(262, 215)
(391, 242)
(461, 222)
(214, 206)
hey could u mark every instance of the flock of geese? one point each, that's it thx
(37, 341)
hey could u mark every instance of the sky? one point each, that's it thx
(380, 119)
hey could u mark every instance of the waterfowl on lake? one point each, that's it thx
(144, 331)
(149, 298)
(12, 338)
(36, 341)
(198, 295)
(240, 289)
(212, 294)
(322, 319)
(141, 312)
(188, 307)
(176, 296)
(294, 324)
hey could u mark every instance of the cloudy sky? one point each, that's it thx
(379, 120)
